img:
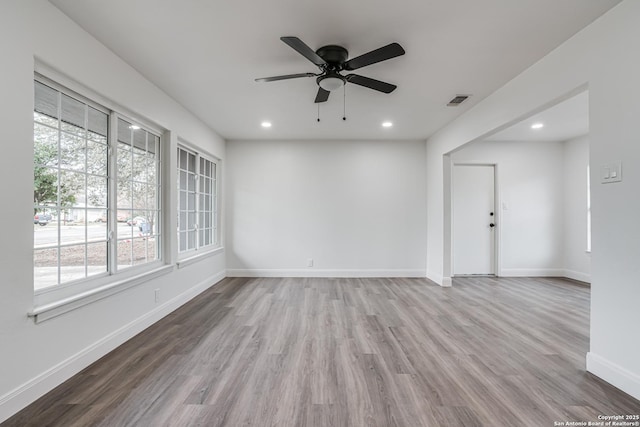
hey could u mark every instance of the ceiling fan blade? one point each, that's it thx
(322, 96)
(304, 50)
(382, 54)
(370, 83)
(285, 77)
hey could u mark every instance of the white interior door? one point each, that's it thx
(473, 219)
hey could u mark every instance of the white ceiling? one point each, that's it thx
(206, 54)
(563, 121)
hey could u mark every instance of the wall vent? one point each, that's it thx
(459, 99)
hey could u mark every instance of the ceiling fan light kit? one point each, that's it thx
(333, 59)
(331, 82)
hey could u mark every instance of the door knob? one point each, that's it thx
(492, 225)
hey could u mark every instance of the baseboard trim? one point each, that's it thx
(614, 374)
(532, 272)
(29, 392)
(445, 282)
(576, 275)
(435, 278)
(545, 272)
(241, 272)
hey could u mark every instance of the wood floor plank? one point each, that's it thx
(349, 352)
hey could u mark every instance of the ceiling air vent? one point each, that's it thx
(459, 99)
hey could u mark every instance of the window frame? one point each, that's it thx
(85, 242)
(216, 244)
(113, 277)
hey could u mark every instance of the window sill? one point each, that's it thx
(191, 259)
(57, 308)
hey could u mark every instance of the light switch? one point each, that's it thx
(616, 171)
(611, 172)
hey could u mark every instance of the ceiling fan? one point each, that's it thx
(332, 59)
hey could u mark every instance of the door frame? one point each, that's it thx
(497, 214)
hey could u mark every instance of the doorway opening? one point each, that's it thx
(540, 197)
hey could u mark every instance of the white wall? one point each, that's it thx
(356, 207)
(576, 260)
(36, 357)
(602, 57)
(529, 177)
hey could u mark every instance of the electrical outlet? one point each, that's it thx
(157, 294)
(309, 262)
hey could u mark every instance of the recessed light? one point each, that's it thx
(266, 124)
(134, 127)
(537, 125)
(387, 124)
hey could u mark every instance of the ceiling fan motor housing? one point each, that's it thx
(334, 55)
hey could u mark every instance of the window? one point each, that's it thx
(75, 219)
(197, 205)
(138, 192)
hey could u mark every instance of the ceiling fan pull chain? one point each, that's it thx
(318, 112)
(344, 102)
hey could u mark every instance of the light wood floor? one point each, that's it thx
(349, 352)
